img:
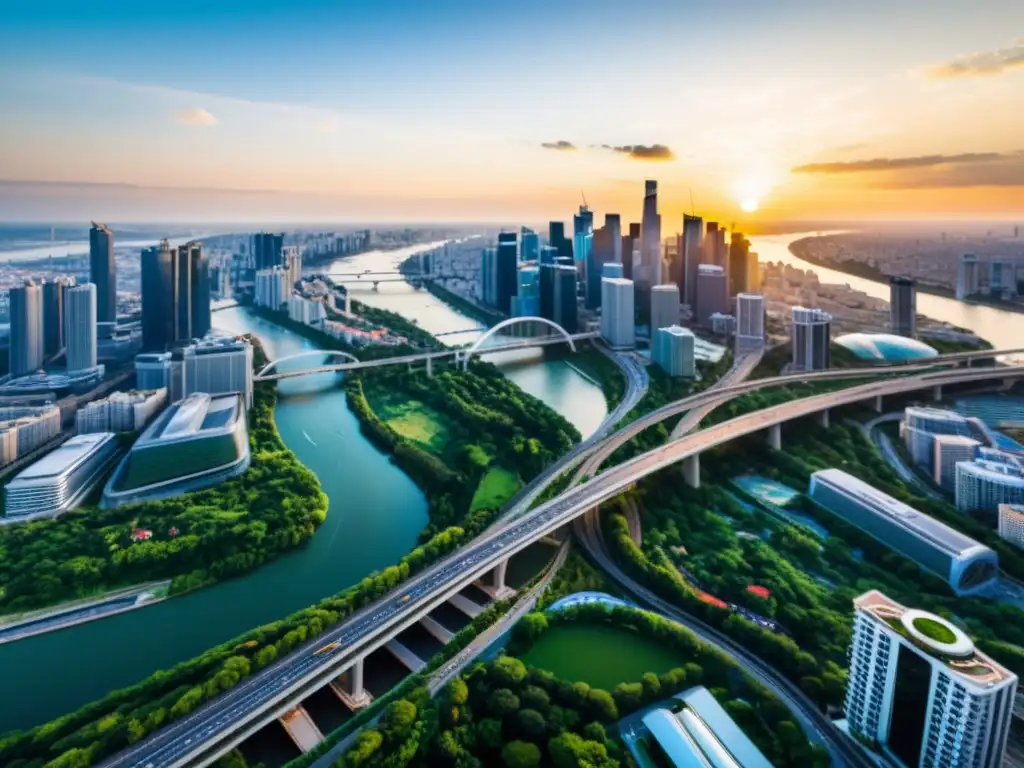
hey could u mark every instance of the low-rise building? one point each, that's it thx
(194, 444)
(120, 412)
(305, 311)
(153, 370)
(673, 350)
(61, 479)
(27, 427)
(991, 479)
(215, 366)
(966, 565)
(722, 324)
(950, 450)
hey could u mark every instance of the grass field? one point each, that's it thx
(412, 420)
(601, 656)
(496, 487)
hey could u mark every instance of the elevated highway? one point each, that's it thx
(226, 721)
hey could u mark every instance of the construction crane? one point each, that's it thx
(587, 207)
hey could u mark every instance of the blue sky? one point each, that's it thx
(450, 100)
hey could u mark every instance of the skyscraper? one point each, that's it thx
(199, 299)
(527, 299)
(546, 291)
(650, 236)
(81, 327)
(664, 307)
(182, 267)
(613, 223)
(158, 291)
(672, 349)
(291, 259)
(26, 308)
(101, 271)
(737, 268)
(617, 313)
(267, 250)
(712, 293)
(602, 251)
(630, 243)
(54, 300)
(811, 336)
(903, 306)
(967, 276)
(565, 309)
(489, 276)
(505, 272)
(920, 690)
(749, 320)
(583, 222)
(529, 249)
(557, 238)
(692, 244)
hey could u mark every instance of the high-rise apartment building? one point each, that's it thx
(811, 337)
(903, 306)
(271, 289)
(650, 238)
(664, 307)
(267, 250)
(506, 279)
(967, 276)
(712, 293)
(54, 301)
(948, 451)
(672, 348)
(1011, 524)
(102, 271)
(749, 320)
(920, 689)
(618, 313)
(692, 244)
(26, 309)
(81, 327)
(291, 259)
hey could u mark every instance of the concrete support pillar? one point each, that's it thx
(494, 583)
(877, 404)
(937, 393)
(775, 437)
(823, 418)
(348, 687)
(430, 366)
(691, 471)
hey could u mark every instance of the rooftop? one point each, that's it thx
(885, 346)
(188, 418)
(64, 457)
(939, 534)
(676, 330)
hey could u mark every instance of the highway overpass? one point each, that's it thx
(226, 721)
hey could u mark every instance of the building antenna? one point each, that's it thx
(692, 211)
(584, 198)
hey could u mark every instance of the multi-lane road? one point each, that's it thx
(225, 721)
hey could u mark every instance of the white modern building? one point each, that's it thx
(991, 479)
(153, 370)
(950, 450)
(120, 412)
(272, 289)
(80, 319)
(664, 307)
(967, 276)
(216, 366)
(966, 565)
(811, 336)
(749, 320)
(1011, 523)
(920, 691)
(919, 427)
(61, 479)
(25, 428)
(673, 350)
(304, 311)
(618, 323)
(26, 337)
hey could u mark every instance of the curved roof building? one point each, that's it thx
(885, 346)
(197, 442)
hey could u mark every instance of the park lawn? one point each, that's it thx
(411, 419)
(496, 487)
(601, 656)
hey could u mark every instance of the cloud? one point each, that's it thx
(898, 163)
(195, 116)
(989, 63)
(654, 152)
(562, 146)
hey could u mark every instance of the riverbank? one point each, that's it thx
(66, 615)
(800, 248)
(461, 304)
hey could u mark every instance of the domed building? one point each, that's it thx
(885, 347)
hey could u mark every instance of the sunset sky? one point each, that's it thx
(459, 110)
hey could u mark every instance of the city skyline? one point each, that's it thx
(400, 112)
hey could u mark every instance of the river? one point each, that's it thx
(1002, 329)
(374, 517)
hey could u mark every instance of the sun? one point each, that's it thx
(749, 205)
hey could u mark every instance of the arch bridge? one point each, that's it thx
(270, 368)
(465, 355)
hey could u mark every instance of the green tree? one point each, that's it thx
(508, 671)
(502, 702)
(569, 750)
(488, 731)
(398, 718)
(521, 754)
(531, 723)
